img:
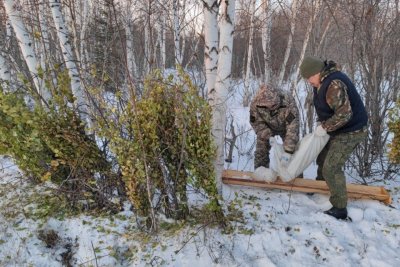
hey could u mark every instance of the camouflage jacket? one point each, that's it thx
(337, 99)
(277, 111)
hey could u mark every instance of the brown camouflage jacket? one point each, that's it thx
(277, 111)
(337, 99)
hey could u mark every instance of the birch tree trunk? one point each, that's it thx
(147, 38)
(247, 93)
(266, 39)
(84, 17)
(5, 70)
(323, 36)
(77, 17)
(5, 74)
(162, 36)
(130, 53)
(211, 43)
(177, 32)
(128, 19)
(26, 44)
(305, 44)
(290, 41)
(44, 47)
(305, 115)
(218, 96)
(68, 55)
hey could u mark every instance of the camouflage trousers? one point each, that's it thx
(261, 155)
(331, 161)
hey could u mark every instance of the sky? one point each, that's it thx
(271, 227)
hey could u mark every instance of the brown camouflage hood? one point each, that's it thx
(267, 96)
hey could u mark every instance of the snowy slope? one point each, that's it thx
(277, 228)
(271, 227)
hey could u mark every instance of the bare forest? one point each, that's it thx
(91, 65)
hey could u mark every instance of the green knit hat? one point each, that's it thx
(311, 66)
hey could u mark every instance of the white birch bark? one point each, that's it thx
(5, 69)
(267, 13)
(247, 92)
(9, 73)
(156, 43)
(25, 43)
(290, 41)
(5, 74)
(146, 66)
(211, 43)
(84, 17)
(72, 23)
(177, 32)
(162, 36)
(67, 52)
(218, 97)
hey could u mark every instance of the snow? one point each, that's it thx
(270, 227)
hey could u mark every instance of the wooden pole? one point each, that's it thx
(306, 185)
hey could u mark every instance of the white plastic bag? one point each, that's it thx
(309, 148)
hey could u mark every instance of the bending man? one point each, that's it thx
(274, 112)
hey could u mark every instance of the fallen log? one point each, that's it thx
(306, 185)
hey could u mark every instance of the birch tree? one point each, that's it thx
(5, 74)
(78, 15)
(247, 93)
(162, 38)
(68, 55)
(177, 31)
(148, 37)
(218, 95)
(44, 42)
(267, 13)
(210, 43)
(307, 116)
(290, 41)
(84, 17)
(5, 70)
(129, 36)
(13, 9)
(305, 44)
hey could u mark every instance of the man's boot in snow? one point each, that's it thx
(340, 214)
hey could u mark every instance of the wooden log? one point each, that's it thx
(306, 185)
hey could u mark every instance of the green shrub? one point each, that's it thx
(49, 143)
(162, 143)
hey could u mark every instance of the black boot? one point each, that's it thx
(340, 214)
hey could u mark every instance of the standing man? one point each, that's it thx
(341, 114)
(274, 112)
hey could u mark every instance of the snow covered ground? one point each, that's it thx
(277, 228)
(271, 227)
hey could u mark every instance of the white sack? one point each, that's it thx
(264, 175)
(308, 149)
